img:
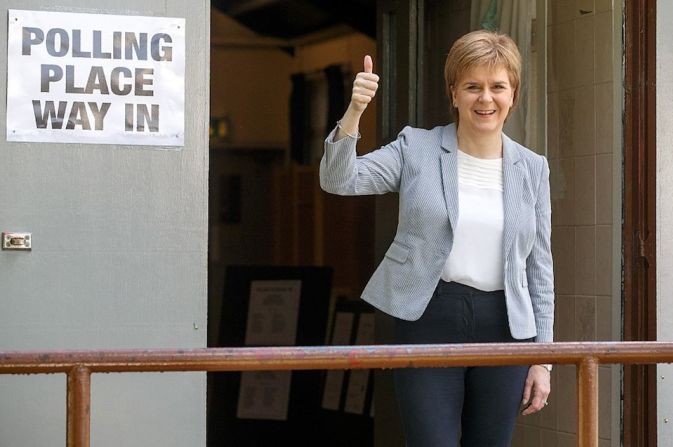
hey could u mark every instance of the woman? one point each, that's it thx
(471, 259)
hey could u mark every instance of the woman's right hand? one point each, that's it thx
(364, 87)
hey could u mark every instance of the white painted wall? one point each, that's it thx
(664, 217)
(118, 261)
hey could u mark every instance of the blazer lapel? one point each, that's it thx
(449, 165)
(513, 177)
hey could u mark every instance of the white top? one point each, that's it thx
(476, 257)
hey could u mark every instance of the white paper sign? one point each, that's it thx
(273, 313)
(264, 395)
(356, 393)
(95, 78)
(343, 324)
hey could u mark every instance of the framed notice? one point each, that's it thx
(356, 394)
(264, 395)
(273, 311)
(334, 378)
(266, 306)
(348, 395)
(95, 78)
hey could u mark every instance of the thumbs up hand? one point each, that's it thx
(369, 64)
(364, 87)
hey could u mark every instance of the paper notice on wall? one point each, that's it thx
(356, 393)
(365, 334)
(264, 395)
(273, 313)
(95, 78)
(343, 325)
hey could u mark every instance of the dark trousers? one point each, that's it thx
(477, 406)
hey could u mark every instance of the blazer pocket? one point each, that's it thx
(397, 252)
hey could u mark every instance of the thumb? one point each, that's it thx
(369, 65)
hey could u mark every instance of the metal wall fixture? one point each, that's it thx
(17, 241)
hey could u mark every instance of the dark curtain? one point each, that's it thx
(299, 119)
(337, 86)
(306, 108)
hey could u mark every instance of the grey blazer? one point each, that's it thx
(422, 166)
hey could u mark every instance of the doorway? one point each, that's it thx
(573, 116)
(280, 78)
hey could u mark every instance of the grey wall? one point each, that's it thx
(118, 261)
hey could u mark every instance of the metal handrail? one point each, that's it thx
(587, 356)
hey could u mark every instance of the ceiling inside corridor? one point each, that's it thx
(294, 19)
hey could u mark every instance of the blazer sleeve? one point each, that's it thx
(539, 265)
(345, 173)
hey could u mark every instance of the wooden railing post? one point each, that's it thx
(78, 408)
(587, 402)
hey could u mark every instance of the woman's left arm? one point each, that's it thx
(540, 275)
(539, 264)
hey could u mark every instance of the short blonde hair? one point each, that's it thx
(482, 47)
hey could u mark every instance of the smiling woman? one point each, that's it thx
(483, 97)
(471, 275)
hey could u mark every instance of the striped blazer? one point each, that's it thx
(421, 165)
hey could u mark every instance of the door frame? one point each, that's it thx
(639, 218)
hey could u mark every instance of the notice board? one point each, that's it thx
(270, 306)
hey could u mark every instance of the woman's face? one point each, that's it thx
(483, 97)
